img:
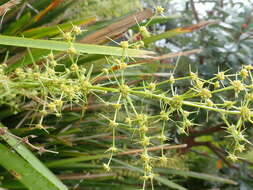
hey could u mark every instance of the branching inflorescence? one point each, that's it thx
(52, 87)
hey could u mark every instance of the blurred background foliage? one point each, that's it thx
(105, 9)
(227, 45)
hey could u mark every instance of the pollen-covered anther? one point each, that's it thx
(121, 64)
(141, 43)
(199, 84)
(145, 157)
(113, 149)
(51, 71)
(164, 115)
(240, 147)
(19, 72)
(159, 10)
(113, 124)
(237, 85)
(152, 86)
(187, 123)
(105, 70)
(124, 90)
(53, 63)
(181, 130)
(86, 86)
(52, 106)
(43, 112)
(172, 79)
(143, 128)
(162, 138)
(186, 113)
(209, 103)
(221, 76)
(74, 67)
(249, 97)
(128, 121)
(145, 141)
(124, 44)
(244, 73)
(148, 168)
(72, 51)
(245, 113)
(248, 67)
(106, 167)
(175, 102)
(36, 75)
(193, 76)
(144, 31)
(163, 159)
(117, 106)
(216, 84)
(76, 30)
(232, 157)
(142, 118)
(150, 176)
(205, 93)
(50, 56)
(58, 103)
(67, 36)
(39, 126)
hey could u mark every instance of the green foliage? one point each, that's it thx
(24, 166)
(114, 114)
(105, 8)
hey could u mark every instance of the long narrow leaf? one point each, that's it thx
(5, 7)
(117, 28)
(59, 163)
(177, 31)
(25, 172)
(33, 163)
(157, 178)
(206, 177)
(49, 31)
(64, 46)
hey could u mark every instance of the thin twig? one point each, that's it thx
(165, 147)
(166, 56)
(195, 13)
(84, 176)
(4, 133)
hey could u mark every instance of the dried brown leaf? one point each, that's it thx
(7, 6)
(117, 28)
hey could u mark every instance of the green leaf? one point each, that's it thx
(157, 19)
(22, 60)
(59, 163)
(24, 172)
(157, 178)
(64, 46)
(49, 31)
(177, 31)
(195, 175)
(30, 171)
(15, 27)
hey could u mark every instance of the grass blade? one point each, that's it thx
(24, 172)
(5, 7)
(29, 162)
(206, 177)
(157, 178)
(49, 31)
(177, 31)
(116, 28)
(64, 46)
